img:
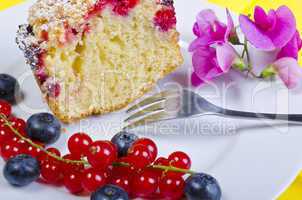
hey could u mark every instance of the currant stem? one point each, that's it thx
(161, 167)
(172, 169)
(84, 162)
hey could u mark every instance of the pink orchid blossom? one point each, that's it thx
(210, 30)
(292, 48)
(270, 31)
(289, 71)
(210, 62)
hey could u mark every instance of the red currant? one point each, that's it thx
(5, 108)
(18, 124)
(44, 156)
(78, 144)
(121, 176)
(122, 181)
(163, 162)
(33, 151)
(93, 179)
(72, 181)
(180, 160)
(121, 170)
(14, 139)
(67, 167)
(50, 171)
(144, 184)
(5, 134)
(11, 149)
(2, 121)
(152, 148)
(171, 187)
(139, 156)
(101, 154)
(54, 151)
(23, 145)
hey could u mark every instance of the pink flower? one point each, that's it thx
(210, 62)
(289, 71)
(292, 48)
(269, 31)
(209, 29)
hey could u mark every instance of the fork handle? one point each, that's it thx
(279, 117)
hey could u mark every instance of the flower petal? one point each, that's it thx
(218, 31)
(230, 26)
(282, 27)
(205, 64)
(206, 17)
(208, 28)
(200, 42)
(195, 80)
(261, 19)
(299, 41)
(285, 27)
(289, 71)
(226, 55)
(196, 30)
(256, 36)
(291, 49)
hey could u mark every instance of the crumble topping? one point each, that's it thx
(52, 13)
(30, 46)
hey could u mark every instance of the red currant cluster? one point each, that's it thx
(148, 177)
(93, 164)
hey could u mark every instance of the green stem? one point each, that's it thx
(243, 54)
(247, 52)
(173, 169)
(159, 167)
(248, 58)
(84, 162)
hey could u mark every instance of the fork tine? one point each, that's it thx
(153, 99)
(153, 108)
(154, 117)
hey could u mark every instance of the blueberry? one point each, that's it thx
(123, 141)
(202, 187)
(43, 127)
(109, 192)
(21, 170)
(9, 88)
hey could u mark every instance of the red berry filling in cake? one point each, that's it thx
(165, 19)
(122, 7)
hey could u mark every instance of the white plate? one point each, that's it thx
(251, 159)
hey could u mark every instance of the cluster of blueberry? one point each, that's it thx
(125, 167)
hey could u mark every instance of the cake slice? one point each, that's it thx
(96, 56)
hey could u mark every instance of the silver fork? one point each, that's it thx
(177, 104)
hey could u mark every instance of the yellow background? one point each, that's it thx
(8, 3)
(295, 191)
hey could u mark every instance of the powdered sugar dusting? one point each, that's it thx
(54, 15)
(28, 43)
